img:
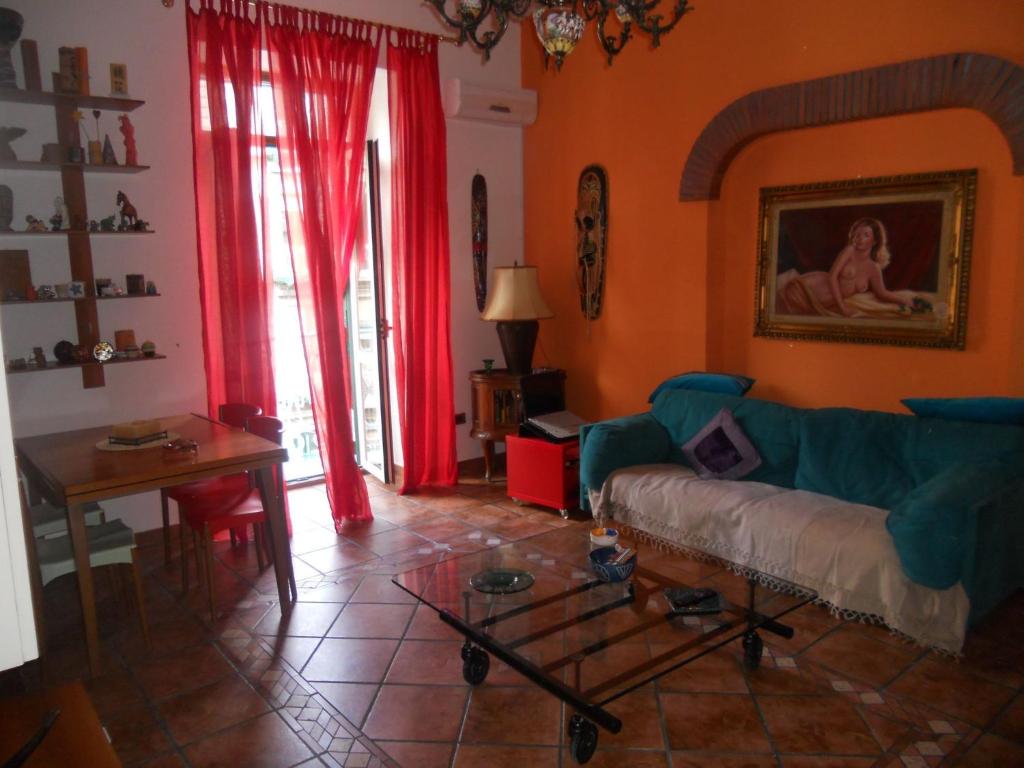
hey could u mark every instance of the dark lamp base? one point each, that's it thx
(517, 340)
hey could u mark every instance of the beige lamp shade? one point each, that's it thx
(515, 296)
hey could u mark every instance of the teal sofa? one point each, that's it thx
(953, 491)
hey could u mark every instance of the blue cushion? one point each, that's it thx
(935, 526)
(876, 458)
(772, 428)
(722, 383)
(610, 445)
(988, 410)
(856, 455)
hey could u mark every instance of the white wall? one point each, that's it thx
(17, 627)
(150, 39)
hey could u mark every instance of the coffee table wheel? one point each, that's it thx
(753, 647)
(475, 665)
(584, 739)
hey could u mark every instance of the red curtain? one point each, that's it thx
(234, 277)
(321, 72)
(421, 281)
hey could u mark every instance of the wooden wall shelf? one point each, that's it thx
(84, 298)
(49, 98)
(79, 241)
(22, 233)
(52, 366)
(30, 165)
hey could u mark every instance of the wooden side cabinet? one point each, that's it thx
(501, 400)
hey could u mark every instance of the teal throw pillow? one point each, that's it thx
(987, 410)
(720, 383)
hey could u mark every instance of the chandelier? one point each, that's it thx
(560, 23)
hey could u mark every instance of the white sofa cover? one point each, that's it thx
(839, 549)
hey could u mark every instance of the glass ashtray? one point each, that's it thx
(501, 581)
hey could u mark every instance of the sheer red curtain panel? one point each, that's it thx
(420, 262)
(235, 282)
(321, 72)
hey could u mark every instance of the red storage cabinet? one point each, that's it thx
(543, 473)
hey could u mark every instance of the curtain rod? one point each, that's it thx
(387, 27)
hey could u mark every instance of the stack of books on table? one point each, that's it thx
(137, 432)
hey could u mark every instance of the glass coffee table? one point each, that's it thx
(586, 641)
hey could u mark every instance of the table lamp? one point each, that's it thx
(515, 302)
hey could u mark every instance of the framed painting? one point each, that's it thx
(867, 261)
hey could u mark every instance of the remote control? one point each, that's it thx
(684, 598)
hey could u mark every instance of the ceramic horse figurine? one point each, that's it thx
(129, 216)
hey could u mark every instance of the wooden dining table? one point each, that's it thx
(68, 470)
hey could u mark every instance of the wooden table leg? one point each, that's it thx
(80, 545)
(488, 459)
(277, 525)
(165, 512)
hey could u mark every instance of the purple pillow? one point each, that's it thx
(721, 450)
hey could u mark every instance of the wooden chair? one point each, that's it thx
(51, 556)
(234, 415)
(210, 513)
(110, 544)
(48, 520)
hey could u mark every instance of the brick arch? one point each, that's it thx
(987, 83)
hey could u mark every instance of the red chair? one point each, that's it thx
(228, 508)
(234, 415)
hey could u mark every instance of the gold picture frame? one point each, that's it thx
(867, 261)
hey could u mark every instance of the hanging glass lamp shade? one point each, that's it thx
(560, 23)
(470, 9)
(559, 29)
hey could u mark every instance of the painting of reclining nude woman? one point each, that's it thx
(881, 261)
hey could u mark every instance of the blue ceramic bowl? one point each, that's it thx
(607, 571)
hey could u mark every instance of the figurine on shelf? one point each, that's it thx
(151, 288)
(148, 349)
(60, 217)
(95, 147)
(60, 209)
(141, 226)
(131, 156)
(128, 213)
(34, 224)
(109, 158)
(39, 356)
(64, 351)
(53, 153)
(107, 224)
(94, 226)
(46, 292)
(11, 23)
(7, 135)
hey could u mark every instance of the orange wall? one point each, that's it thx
(680, 278)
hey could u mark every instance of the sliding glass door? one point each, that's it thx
(368, 334)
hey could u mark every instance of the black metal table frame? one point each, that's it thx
(588, 711)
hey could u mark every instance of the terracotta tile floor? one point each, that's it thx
(359, 675)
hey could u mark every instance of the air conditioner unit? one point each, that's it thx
(466, 101)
